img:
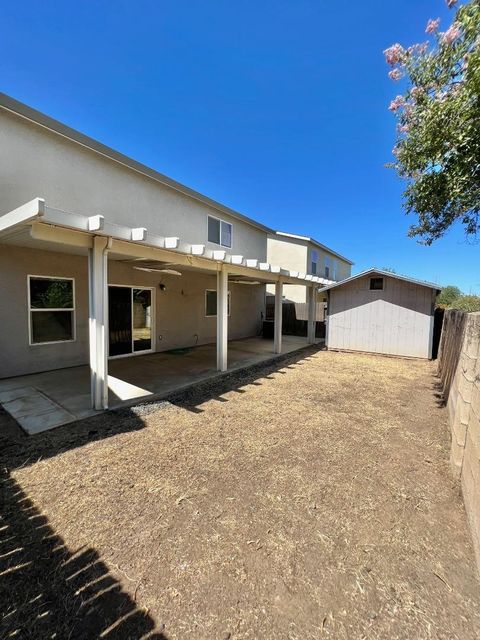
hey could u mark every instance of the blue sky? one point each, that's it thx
(277, 109)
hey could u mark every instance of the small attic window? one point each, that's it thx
(376, 284)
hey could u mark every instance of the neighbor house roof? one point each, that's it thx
(23, 110)
(315, 242)
(382, 272)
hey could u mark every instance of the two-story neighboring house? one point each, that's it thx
(305, 255)
(102, 257)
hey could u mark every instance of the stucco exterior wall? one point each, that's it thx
(395, 321)
(296, 255)
(35, 162)
(180, 309)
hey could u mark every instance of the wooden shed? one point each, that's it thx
(381, 312)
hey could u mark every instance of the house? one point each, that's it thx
(381, 312)
(305, 255)
(102, 257)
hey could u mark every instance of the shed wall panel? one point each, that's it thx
(395, 321)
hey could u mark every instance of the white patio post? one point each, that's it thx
(222, 319)
(312, 314)
(277, 330)
(98, 321)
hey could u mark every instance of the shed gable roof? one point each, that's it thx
(382, 272)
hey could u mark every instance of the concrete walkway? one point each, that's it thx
(46, 400)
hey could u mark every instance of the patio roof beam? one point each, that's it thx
(42, 217)
(28, 212)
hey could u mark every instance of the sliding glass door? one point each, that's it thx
(130, 320)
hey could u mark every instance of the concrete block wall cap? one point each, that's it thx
(219, 255)
(236, 260)
(275, 269)
(301, 275)
(198, 249)
(294, 274)
(251, 262)
(309, 276)
(264, 266)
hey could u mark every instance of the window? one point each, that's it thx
(335, 270)
(51, 309)
(314, 262)
(211, 303)
(219, 232)
(327, 267)
(376, 284)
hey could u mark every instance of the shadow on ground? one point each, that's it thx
(47, 591)
(18, 449)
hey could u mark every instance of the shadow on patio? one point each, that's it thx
(46, 400)
(18, 449)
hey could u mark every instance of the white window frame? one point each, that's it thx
(153, 321)
(335, 269)
(221, 221)
(327, 265)
(229, 304)
(314, 252)
(33, 310)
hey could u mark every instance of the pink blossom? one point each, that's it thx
(403, 128)
(397, 103)
(394, 74)
(451, 3)
(452, 33)
(394, 54)
(417, 92)
(419, 48)
(432, 25)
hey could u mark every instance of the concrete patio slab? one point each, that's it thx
(45, 400)
(33, 411)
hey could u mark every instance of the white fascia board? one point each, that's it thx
(21, 215)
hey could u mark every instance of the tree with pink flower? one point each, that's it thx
(438, 123)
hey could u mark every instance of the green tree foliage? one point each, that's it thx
(448, 295)
(438, 122)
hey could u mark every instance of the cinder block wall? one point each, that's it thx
(459, 372)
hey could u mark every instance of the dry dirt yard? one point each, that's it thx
(304, 500)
